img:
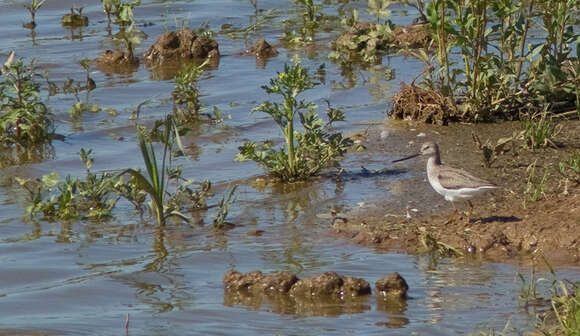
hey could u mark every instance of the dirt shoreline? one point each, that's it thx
(501, 228)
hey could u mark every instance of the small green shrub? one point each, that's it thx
(570, 168)
(72, 199)
(540, 131)
(307, 152)
(24, 119)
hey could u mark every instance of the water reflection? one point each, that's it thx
(395, 309)
(285, 304)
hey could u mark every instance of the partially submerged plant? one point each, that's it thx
(186, 94)
(24, 119)
(156, 180)
(305, 153)
(301, 31)
(72, 199)
(75, 18)
(32, 8)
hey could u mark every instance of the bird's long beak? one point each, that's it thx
(406, 158)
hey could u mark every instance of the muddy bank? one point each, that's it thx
(505, 225)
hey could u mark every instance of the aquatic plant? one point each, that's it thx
(71, 199)
(224, 208)
(307, 152)
(186, 93)
(301, 31)
(25, 120)
(75, 88)
(158, 176)
(32, 8)
(75, 18)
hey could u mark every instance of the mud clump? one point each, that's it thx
(183, 44)
(117, 62)
(262, 49)
(392, 286)
(327, 294)
(413, 36)
(428, 106)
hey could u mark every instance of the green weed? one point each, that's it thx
(540, 131)
(570, 168)
(75, 18)
(186, 95)
(536, 184)
(32, 8)
(305, 153)
(24, 119)
(72, 199)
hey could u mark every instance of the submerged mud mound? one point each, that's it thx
(327, 294)
(428, 106)
(262, 50)
(413, 36)
(117, 62)
(183, 44)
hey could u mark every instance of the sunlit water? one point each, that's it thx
(85, 278)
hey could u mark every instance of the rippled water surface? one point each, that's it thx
(85, 278)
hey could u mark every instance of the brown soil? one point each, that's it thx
(262, 50)
(413, 36)
(177, 46)
(117, 62)
(504, 226)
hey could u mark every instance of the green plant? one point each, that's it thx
(364, 42)
(224, 208)
(566, 308)
(24, 119)
(186, 94)
(540, 131)
(536, 184)
(305, 153)
(32, 8)
(94, 197)
(75, 88)
(154, 183)
(301, 31)
(570, 168)
(75, 18)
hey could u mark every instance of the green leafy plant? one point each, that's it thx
(570, 168)
(301, 31)
(155, 182)
(186, 95)
(32, 8)
(224, 209)
(305, 153)
(72, 199)
(536, 184)
(24, 119)
(75, 18)
(540, 131)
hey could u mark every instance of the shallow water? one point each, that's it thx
(84, 278)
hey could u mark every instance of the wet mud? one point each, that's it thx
(181, 45)
(505, 225)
